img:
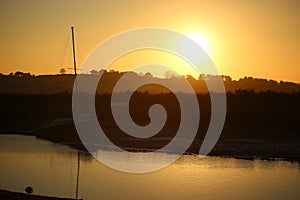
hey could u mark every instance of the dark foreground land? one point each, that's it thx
(7, 195)
(261, 125)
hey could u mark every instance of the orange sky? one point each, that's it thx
(245, 38)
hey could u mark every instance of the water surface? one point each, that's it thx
(51, 169)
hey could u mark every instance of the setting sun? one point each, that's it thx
(201, 40)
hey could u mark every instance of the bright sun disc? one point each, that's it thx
(199, 39)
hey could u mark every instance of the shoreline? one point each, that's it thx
(9, 195)
(269, 150)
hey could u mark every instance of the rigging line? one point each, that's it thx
(78, 56)
(63, 61)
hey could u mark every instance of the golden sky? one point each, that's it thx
(259, 38)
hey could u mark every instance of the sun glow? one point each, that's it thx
(201, 40)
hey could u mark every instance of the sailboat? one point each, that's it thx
(62, 130)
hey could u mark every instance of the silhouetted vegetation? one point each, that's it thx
(25, 83)
(247, 111)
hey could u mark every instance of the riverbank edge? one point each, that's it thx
(9, 195)
(220, 149)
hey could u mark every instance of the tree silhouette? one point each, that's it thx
(62, 71)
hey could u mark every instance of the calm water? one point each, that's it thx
(51, 169)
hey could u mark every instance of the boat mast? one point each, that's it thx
(73, 45)
(78, 153)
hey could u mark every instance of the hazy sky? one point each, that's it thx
(259, 38)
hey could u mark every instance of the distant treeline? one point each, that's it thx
(25, 83)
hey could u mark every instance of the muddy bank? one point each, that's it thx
(8, 195)
(241, 148)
